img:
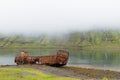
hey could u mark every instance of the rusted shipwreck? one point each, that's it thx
(60, 59)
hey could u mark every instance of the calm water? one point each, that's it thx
(100, 59)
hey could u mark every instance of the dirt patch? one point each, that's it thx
(75, 72)
(28, 73)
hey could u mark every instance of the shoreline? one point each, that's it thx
(75, 66)
(110, 68)
(70, 71)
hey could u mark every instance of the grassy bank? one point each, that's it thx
(27, 74)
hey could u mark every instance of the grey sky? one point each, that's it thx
(34, 16)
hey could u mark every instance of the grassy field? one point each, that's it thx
(27, 74)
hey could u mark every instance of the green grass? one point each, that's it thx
(27, 74)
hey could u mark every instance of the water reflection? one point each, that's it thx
(107, 59)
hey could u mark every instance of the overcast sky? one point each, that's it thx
(36, 16)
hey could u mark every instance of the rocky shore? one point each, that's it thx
(75, 72)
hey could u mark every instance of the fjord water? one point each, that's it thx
(99, 59)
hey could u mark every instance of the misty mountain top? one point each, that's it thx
(60, 34)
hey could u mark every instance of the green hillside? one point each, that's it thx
(87, 39)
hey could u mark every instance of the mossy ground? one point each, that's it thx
(27, 74)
